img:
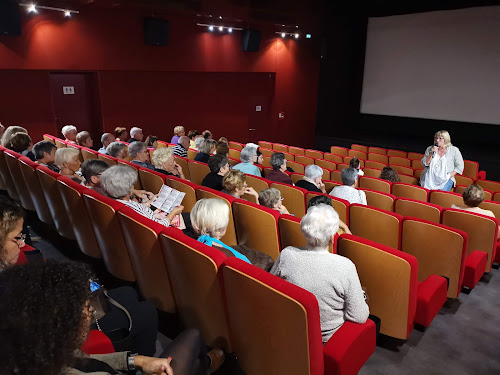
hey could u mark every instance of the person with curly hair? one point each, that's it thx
(46, 312)
(389, 174)
(11, 239)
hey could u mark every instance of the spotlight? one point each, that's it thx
(220, 17)
(308, 36)
(221, 28)
(230, 30)
(211, 28)
(283, 35)
(67, 13)
(32, 9)
(296, 36)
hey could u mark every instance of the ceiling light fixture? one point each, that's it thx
(33, 8)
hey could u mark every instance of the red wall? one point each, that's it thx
(200, 80)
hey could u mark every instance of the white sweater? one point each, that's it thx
(332, 279)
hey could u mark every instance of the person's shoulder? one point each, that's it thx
(343, 262)
(361, 193)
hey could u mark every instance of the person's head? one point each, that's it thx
(184, 141)
(207, 134)
(117, 150)
(68, 159)
(270, 198)
(121, 134)
(222, 148)
(260, 157)
(473, 195)
(192, 134)
(9, 132)
(218, 164)
(349, 176)
(320, 199)
(210, 217)
(118, 181)
(136, 133)
(46, 316)
(389, 174)
(163, 158)
(106, 139)
(248, 154)
(179, 131)
(11, 226)
(319, 226)
(84, 139)
(207, 146)
(20, 142)
(354, 163)
(151, 141)
(223, 139)
(442, 138)
(92, 170)
(44, 152)
(138, 151)
(69, 132)
(314, 173)
(235, 182)
(278, 161)
(198, 140)
(2, 130)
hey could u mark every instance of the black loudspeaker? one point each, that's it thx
(250, 40)
(155, 31)
(10, 18)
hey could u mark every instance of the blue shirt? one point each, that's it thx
(248, 168)
(102, 150)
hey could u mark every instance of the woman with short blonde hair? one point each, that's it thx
(121, 134)
(271, 198)
(178, 132)
(235, 184)
(68, 160)
(164, 162)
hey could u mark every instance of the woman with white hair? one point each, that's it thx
(332, 278)
(136, 135)
(9, 132)
(117, 150)
(248, 156)
(313, 179)
(68, 160)
(348, 190)
(164, 162)
(442, 162)
(206, 148)
(69, 132)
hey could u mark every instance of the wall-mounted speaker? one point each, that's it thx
(10, 18)
(250, 40)
(155, 31)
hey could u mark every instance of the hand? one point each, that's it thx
(178, 168)
(160, 214)
(150, 200)
(367, 299)
(435, 149)
(154, 366)
(177, 210)
(282, 209)
(140, 193)
(322, 187)
(344, 227)
(251, 191)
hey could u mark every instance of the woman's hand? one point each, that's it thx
(178, 168)
(177, 210)
(148, 200)
(322, 187)
(154, 366)
(251, 191)
(282, 209)
(344, 227)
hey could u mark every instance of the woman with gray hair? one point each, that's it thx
(271, 198)
(206, 148)
(248, 156)
(278, 163)
(140, 155)
(68, 161)
(9, 132)
(312, 180)
(332, 278)
(348, 190)
(69, 132)
(117, 150)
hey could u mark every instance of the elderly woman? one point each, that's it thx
(68, 161)
(222, 148)
(271, 198)
(69, 132)
(136, 135)
(21, 142)
(248, 157)
(206, 148)
(348, 190)
(9, 132)
(235, 184)
(312, 180)
(121, 134)
(151, 141)
(331, 278)
(140, 155)
(389, 174)
(278, 163)
(84, 139)
(178, 132)
(219, 166)
(442, 162)
(325, 199)
(164, 162)
(117, 150)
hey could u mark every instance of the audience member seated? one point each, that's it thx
(121, 134)
(69, 132)
(207, 147)
(84, 139)
(278, 163)
(389, 174)
(223, 139)
(197, 142)
(313, 179)
(324, 199)
(11, 237)
(45, 153)
(68, 161)
(57, 295)
(219, 166)
(222, 148)
(106, 140)
(235, 183)
(164, 162)
(331, 278)
(354, 163)
(192, 135)
(210, 218)
(248, 156)
(117, 150)
(207, 134)
(135, 135)
(181, 148)
(151, 141)
(140, 155)
(2, 130)
(271, 198)
(178, 132)
(348, 190)
(9, 132)
(21, 143)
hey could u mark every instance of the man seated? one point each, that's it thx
(106, 140)
(140, 155)
(69, 132)
(182, 146)
(348, 191)
(278, 163)
(135, 135)
(219, 166)
(84, 139)
(313, 179)
(45, 154)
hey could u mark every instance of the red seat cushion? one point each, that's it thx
(497, 255)
(475, 266)
(431, 296)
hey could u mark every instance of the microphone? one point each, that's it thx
(436, 145)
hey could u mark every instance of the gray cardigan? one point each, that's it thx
(455, 162)
(118, 361)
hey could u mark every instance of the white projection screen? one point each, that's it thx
(442, 65)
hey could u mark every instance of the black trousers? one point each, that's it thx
(188, 352)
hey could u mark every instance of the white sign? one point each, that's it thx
(258, 108)
(68, 90)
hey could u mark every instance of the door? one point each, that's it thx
(259, 110)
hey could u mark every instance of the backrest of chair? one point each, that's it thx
(339, 205)
(88, 154)
(375, 164)
(337, 150)
(266, 152)
(417, 164)
(378, 158)
(418, 173)
(462, 180)
(234, 153)
(377, 150)
(314, 154)
(258, 183)
(183, 162)
(326, 164)
(496, 197)
(198, 171)
(265, 144)
(361, 148)
(7, 176)
(281, 305)
(415, 156)
(390, 279)
(492, 186)
(151, 180)
(296, 150)
(445, 199)
(398, 160)
(280, 147)
(482, 231)
(50, 138)
(306, 160)
(288, 156)
(358, 154)
(376, 184)
(233, 162)
(374, 224)
(492, 206)
(336, 176)
(192, 153)
(186, 187)
(296, 177)
(333, 157)
(407, 179)
(236, 145)
(471, 169)
(379, 200)
(422, 210)
(294, 198)
(417, 193)
(59, 143)
(108, 159)
(108, 233)
(440, 250)
(141, 237)
(257, 227)
(396, 153)
(290, 232)
(11, 159)
(77, 148)
(372, 172)
(329, 184)
(402, 169)
(297, 167)
(193, 272)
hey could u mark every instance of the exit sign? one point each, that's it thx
(68, 90)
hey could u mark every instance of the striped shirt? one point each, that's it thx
(180, 151)
(144, 211)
